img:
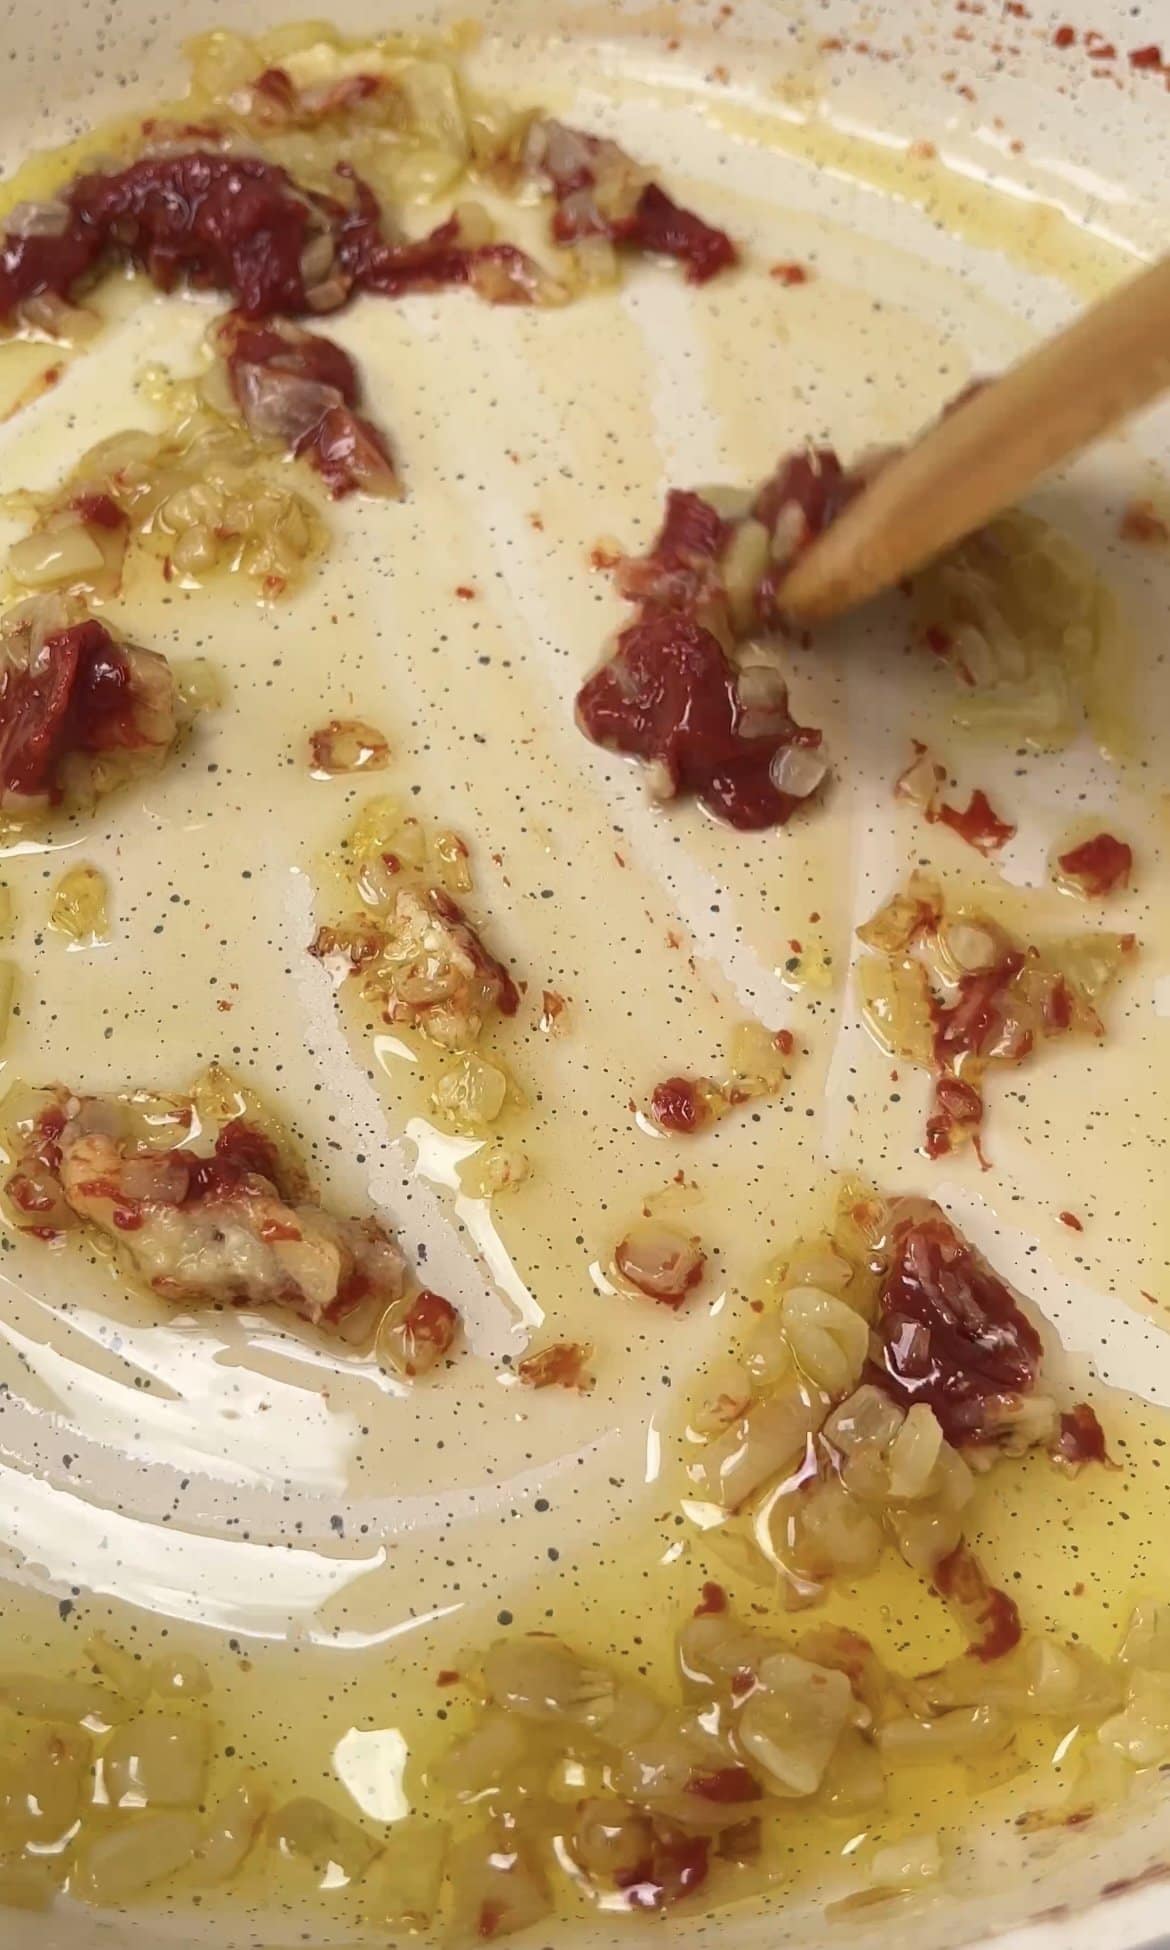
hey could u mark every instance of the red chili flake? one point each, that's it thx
(725, 1786)
(785, 1041)
(1098, 48)
(603, 558)
(977, 823)
(713, 1601)
(1146, 57)
(790, 273)
(1099, 865)
(491, 1916)
(554, 1006)
(1064, 37)
(1141, 522)
(1070, 1219)
(560, 1366)
(939, 640)
(678, 1105)
(1081, 1438)
(465, 592)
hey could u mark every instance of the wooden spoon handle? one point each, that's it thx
(990, 451)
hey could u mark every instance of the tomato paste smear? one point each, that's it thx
(668, 696)
(77, 694)
(951, 1333)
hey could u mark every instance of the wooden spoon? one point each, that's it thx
(991, 449)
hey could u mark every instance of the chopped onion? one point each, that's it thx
(54, 556)
(80, 906)
(333, 1849)
(543, 1680)
(1141, 1732)
(141, 1851)
(157, 1761)
(231, 1828)
(829, 1340)
(914, 1454)
(792, 1722)
(660, 1261)
(798, 770)
(768, 1440)
(969, 1733)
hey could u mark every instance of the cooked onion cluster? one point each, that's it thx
(954, 991)
(893, 1369)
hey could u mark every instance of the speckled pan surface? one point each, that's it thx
(248, 1491)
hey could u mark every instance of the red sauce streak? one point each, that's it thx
(977, 823)
(950, 1332)
(677, 1105)
(725, 1786)
(668, 696)
(76, 696)
(713, 1601)
(1099, 865)
(1081, 1438)
(560, 1366)
(989, 1614)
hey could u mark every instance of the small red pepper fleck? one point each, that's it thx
(1070, 1219)
(713, 1601)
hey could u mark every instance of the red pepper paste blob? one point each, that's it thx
(1099, 865)
(227, 223)
(950, 1331)
(668, 696)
